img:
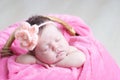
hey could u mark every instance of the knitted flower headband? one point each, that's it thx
(28, 35)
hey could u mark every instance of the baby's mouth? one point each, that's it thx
(60, 53)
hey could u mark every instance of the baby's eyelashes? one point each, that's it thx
(45, 48)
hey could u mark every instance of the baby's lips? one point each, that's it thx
(60, 53)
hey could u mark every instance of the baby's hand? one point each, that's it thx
(44, 64)
(52, 65)
(48, 65)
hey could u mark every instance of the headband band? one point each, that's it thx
(45, 23)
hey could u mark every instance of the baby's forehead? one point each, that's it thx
(49, 31)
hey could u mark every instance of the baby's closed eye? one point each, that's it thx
(45, 48)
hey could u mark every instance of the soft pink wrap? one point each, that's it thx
(99, 64)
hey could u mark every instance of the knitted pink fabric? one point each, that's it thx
(99, 64)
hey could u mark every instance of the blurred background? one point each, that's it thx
(103, 16)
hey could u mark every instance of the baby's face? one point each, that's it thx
(52, 46)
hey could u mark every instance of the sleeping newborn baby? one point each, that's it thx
(46, 44)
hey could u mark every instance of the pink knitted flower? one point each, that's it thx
(27, 35)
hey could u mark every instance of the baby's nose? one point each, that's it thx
(54, 46)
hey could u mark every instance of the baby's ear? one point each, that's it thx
(34, 29)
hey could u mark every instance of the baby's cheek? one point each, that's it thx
(37, 55)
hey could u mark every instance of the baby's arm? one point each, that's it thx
(30, 59)
(26, 59)
(75, 58)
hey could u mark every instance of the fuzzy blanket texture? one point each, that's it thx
(99, 64)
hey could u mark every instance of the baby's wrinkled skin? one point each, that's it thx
(53, 50)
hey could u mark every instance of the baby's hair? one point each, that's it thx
(37, 19)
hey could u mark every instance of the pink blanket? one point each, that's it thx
(99, 64)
